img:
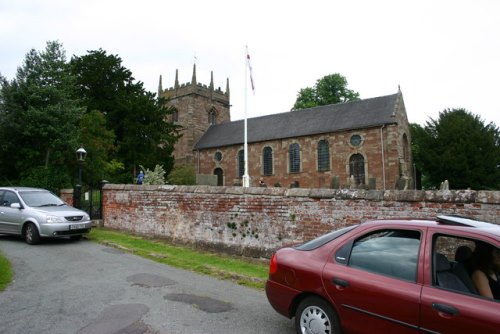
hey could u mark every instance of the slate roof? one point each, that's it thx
(323, 119)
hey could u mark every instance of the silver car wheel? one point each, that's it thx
(314, 320)
(31, 234)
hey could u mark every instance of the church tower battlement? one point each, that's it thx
(197, 107)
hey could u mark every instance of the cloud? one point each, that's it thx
(443, 54)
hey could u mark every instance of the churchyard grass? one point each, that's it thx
(247, 272)
(5, 272)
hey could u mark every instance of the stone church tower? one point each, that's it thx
(197, 107)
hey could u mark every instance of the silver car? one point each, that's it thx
(35, 213)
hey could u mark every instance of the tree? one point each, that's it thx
(183, 175)
(155, 176)
(460, 148)
(136, 117)
(330, 89)
(99, 144)
(39, 119)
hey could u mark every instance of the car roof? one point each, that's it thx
(22, 189)
(447, 222)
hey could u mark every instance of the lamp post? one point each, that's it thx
(81, 154)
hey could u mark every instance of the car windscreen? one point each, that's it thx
(324, 239)
(40, 198)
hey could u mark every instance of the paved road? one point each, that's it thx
(82, 287)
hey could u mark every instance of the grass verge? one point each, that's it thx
(242, 271)
(5, 272)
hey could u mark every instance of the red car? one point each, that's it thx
(387, 276)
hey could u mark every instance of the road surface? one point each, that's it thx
(63, 286)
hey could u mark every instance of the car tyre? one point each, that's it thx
(31, 234)
(315, 316)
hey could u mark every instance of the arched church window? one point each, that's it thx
(175, 116)
(406, 148)
(212, 119)
(323, 156)
(267, 160)
(294, 156)
(357, 168)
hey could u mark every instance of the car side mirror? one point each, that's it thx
(15, 206)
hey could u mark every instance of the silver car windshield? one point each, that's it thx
(40, 198)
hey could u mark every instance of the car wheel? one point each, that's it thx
(76, 237)
(31, 234)
(315, 316)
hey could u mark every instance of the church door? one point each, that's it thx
(220, 176)
(357, 168)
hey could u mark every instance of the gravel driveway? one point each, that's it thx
(82, 287)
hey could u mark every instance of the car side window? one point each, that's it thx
(391, 253)
(454, 261)
(9, 198)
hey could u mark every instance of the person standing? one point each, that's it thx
(140, 177)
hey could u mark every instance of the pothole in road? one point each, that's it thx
(150, 280)
(205, 304)
(125, 318)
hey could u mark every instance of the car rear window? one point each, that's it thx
(324, 239)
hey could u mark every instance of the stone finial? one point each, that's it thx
(193, 80)
(211, 80)
(160, 87)
(176, 83)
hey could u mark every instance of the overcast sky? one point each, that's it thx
(442, 53)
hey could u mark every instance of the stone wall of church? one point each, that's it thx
(380, 148)
(193, 103)
(255, 221)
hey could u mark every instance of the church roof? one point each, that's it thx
(313, 121)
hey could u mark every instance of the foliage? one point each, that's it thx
(114, 169)
(53, 107)
(135, 116)
(39, 118)
(183, 175)
(156, 176)
(99, 144)
(50, 178)
(330, 89)
(460, 148)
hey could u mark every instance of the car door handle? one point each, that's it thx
(340, 282)
(450, 310)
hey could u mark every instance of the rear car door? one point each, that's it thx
(10, 218)
(373, 282)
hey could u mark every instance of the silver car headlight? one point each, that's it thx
(54, 219)
(86, 217)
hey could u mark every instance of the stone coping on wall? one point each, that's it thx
(438, 196)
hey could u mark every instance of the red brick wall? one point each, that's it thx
(255, 221)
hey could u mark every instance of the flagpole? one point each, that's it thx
(246, 177)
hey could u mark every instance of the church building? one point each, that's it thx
(359, 144)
